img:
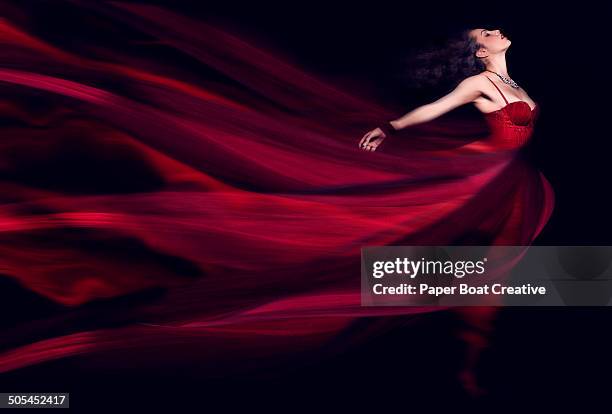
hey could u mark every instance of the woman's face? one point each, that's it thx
(493, 41)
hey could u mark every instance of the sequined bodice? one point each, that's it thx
(512, 125)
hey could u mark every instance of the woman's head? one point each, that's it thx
(461, 54)
(490, 42)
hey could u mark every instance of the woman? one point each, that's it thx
(480, 89)
(510, 113)
(193, 193)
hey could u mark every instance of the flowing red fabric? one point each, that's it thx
(240, 192)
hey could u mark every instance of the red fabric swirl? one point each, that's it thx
(243, 196)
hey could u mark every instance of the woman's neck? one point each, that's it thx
(497, 64)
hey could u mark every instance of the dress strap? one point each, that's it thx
(499, 90)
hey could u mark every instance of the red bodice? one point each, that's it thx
(512, 125)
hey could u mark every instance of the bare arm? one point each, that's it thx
(467, 91)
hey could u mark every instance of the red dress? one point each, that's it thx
(245, 202)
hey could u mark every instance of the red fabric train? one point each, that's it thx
(243, 194)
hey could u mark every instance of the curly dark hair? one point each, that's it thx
(444, 63)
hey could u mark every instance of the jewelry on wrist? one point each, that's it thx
(388, 129)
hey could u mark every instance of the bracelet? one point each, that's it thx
(388, 129)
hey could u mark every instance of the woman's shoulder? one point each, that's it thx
(477, 81)
(477, 78)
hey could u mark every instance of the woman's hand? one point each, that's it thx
(372, 140)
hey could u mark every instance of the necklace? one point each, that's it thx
(505, 79)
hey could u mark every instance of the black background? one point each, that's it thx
(554, 356)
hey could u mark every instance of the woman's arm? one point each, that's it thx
(467, 91)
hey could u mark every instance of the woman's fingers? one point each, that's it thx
(367, 142)
(365, 139)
